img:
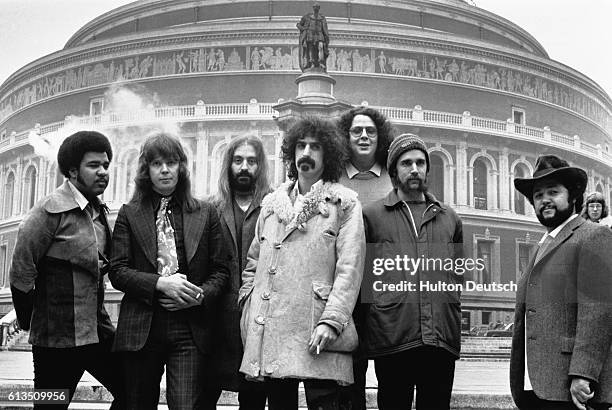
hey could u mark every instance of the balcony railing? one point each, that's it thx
(265, 111)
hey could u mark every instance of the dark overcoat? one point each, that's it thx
(227, 342)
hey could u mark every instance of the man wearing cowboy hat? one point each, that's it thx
(561, 356)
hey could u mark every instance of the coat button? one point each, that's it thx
(272, 270)
(260, 320)
(265, 295)
(278, 245)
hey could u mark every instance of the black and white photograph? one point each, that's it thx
(304, 204)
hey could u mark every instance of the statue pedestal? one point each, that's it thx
(315, 97)
(315, 86)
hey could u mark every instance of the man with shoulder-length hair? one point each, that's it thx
(561, 354)
(303, 275)
(243, 183)
(168, 258)
(367, 134)
(57, 273)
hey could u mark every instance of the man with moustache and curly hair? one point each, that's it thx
(303, 274)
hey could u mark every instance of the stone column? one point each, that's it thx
(504, 181)
(492, 193)
(19, 184)
(2, 192)
(201, 165)
(462, 177)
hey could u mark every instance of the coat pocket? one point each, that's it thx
(244, 319)
(347, 341)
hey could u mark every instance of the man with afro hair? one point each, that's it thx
(57, 273)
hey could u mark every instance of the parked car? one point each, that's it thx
(505, 331)
(479, 330)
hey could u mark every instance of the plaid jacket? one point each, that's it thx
(58, 291)
(134, 271)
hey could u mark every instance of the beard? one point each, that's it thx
(405, 186)
(242, 182)
(558, 218)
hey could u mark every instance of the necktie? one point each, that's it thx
(167, 261)
(547, 240)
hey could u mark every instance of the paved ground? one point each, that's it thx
(475, 381)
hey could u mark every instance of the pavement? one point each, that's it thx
(479, 384)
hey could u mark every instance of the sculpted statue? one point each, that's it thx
(314, 40)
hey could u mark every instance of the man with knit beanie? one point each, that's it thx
(411, 321)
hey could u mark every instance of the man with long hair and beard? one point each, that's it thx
(168, 258)
(303, 274)
(561, 346)
(243, 183)
(413, 336)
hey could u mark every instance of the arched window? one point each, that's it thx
(599, 189)
(480, 185)
(519, 199)
(29, 193)
(435, 179)
(9, 194)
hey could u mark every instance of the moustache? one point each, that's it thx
(243, 173)
(306, 160)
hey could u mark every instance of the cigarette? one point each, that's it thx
(198, 295)
(318, 350)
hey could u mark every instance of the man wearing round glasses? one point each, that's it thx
(596, 210)
(367, 134)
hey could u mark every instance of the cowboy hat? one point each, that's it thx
(551, 166)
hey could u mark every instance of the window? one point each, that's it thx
(519, 199)
(96, 106)
(486, 318)
(518, 116)
(485, 254)
(9, 193)
(30, 188)
(3, 135)
(436, 177)
(480, 185)
(4, 280)
(525, 251)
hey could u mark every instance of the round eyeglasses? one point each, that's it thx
(357, 131)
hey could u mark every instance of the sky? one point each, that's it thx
(574, 32)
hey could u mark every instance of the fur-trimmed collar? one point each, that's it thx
(315, 202)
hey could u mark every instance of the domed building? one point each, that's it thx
(481, 91)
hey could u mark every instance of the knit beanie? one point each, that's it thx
(401, 144)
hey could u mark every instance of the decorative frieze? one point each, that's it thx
(283, 57)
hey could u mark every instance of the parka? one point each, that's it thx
(394, 321)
